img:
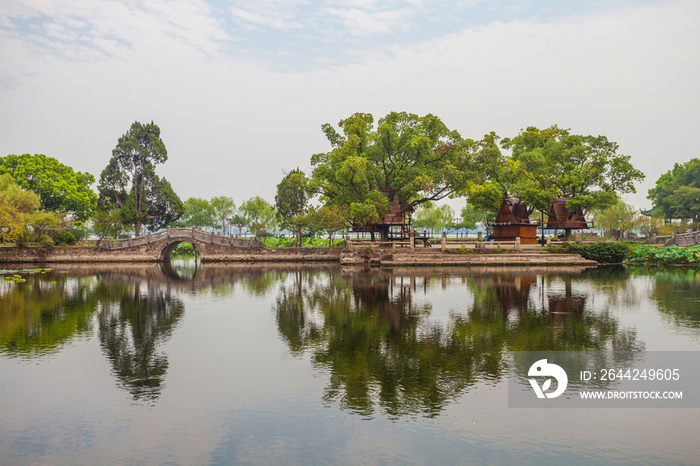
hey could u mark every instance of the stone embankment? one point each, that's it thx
(437, 259)
(150, 253)
(216, 253)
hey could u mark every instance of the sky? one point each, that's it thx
(240, 88)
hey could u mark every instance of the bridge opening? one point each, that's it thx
(168, 249)
(181, 268)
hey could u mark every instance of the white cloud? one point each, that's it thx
(230, 128)
(363, 22)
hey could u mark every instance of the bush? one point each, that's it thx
(605, 252)
(68, 235)
(45, 243)
(305, 242)
(185, 248)
(461, 251)
(24, 238)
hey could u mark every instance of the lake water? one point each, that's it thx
(288, 364)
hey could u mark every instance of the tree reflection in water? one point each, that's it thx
(136, 309)
(131, 328)
(384, 352)
(676, 292)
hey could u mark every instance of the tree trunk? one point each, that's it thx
(384, 231)
(567, 235)
(137, 229)
(298, 236)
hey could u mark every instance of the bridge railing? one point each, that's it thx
(179, 233)
(684, 239)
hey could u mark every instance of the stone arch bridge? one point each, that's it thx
(159, 246)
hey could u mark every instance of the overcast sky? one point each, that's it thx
(240, 88)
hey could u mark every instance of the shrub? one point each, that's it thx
(305, 242)
(461, 251)
(605, 252)
(185, 248)
(45, 243)
(65, 237)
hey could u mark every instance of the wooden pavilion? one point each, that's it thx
(560, 217)
(395, 225)
(513, 220)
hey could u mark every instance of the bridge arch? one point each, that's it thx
(167, 250)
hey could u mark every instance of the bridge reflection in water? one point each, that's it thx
(374, 331)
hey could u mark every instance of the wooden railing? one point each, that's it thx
(183, 234)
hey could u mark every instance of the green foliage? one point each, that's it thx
(198, 213)
(329, 219)
(292, 202)
(224, 208)
(618, 216)
(552, 163)
(59, 187)
(129, 182)
(45, 243)
(16, 206)
(434, 218)
(107, 222)
(418, 159)
(260, 215)
(185, 248)
(239, 221)
(461, 251)
(70, 235)
(670, 255)
(306, 242)
(42, 222)
(604, 252)
(677, 192)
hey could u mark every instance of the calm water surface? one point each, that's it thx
(246, 364)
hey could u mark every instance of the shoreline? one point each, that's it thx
(345, 257)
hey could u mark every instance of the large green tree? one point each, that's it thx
(60, 188)
(260, 214)
(129, 183)
(677, 192)
(198, 213)
(435, 218)
(553, 163)
(417, 159)
(16, 208)
(292, 202)
(224, 209)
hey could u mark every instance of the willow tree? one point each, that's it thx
(417, 159)
(130, 185)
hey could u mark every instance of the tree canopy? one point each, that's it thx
(677, 192)
(224, 209)
(129, 183)
(292, 202)
(418, 159)
(552, 163)
(198, 213)
(260, 215)
(16, 207)
(60, 188)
